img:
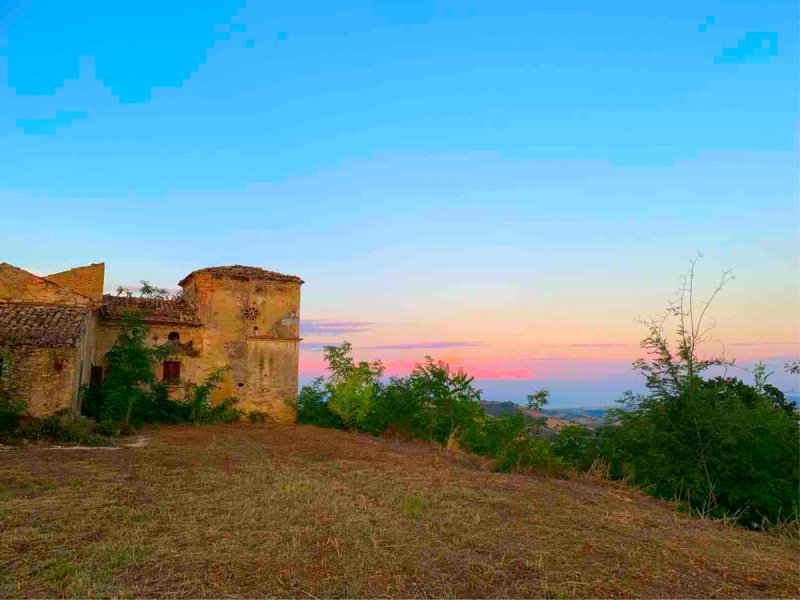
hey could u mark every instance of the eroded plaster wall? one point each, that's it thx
(44, 378)
(253, 326)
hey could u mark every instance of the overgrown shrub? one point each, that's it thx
(224, 412)
(313, 409)
(396, 410)
(450, 404)
(432, 403)
(577, 446)
(256, 416)
(721, 454)
(61, 428)
(130, 395)
(126, 389)
(530, 454)
(495, 434)
(720, 446)
(198, 401)
(11, 411)
(351, 387)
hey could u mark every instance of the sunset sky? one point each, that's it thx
(506, 186)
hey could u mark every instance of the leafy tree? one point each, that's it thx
(538, 399)
(397, 410)
(719, 445)
(147, 290)
(351, 387)
(449, 401)
(126, 387)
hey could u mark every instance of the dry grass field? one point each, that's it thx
(269, 510)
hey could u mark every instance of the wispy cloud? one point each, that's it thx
(318, 346)
(326, 327)
(62, 120)
(610, 345)
(314, 346)
(424, 345)
(788, 343)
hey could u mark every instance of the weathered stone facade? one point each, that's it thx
(244, 317)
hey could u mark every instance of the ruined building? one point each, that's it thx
(56, 330)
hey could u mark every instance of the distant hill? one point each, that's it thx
(556, 417)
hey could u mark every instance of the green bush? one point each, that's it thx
(256, 416)
(450, 404)
(530, 454)
(495, 434)
(351, 387)
(397, 410)
(11, 412)
(577, 446)
(313, 409)
(61, 428)
(225, 412)
(721, 451)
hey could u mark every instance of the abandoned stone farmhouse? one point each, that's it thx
(56, 330)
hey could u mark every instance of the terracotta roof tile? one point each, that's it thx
(242, 272)
(155, 310)
(41, 326)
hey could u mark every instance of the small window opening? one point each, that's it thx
(59, 364)
(240, 385)
(172, 372)
(174, 337)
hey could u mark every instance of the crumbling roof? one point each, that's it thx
(154, 310)
(242, 272)
(41, 326)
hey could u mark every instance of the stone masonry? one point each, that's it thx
(56, 330)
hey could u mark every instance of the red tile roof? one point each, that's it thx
(41, 326)
(242, 272)
(154, 310)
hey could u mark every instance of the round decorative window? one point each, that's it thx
(251, 312)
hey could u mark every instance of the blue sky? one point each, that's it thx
(514, 177)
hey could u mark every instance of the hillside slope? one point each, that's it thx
(258, 510)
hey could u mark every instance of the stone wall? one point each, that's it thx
(87, 281)
(44, 378)
(20, 286)
(253, 326)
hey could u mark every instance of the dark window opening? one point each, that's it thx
(1, 366)
(172, 372)
(96, 375)
(59, 364)
(240, 384)
(174, 337)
